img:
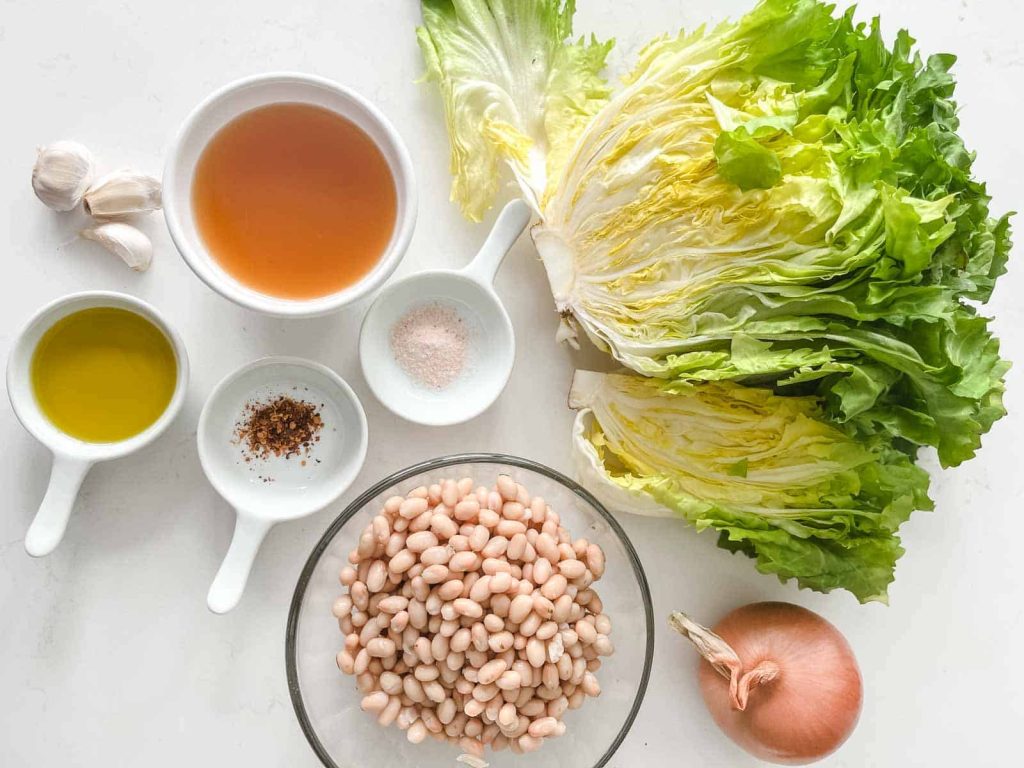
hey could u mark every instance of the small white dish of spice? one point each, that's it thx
(279, 439)
(437, 348)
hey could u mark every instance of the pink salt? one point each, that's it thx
(430, 344)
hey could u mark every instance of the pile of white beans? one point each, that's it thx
(470, 617)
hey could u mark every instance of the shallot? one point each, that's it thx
(779, 679)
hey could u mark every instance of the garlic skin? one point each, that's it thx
(122, 193)
(124, 240)
(62, 173)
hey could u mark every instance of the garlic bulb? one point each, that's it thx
(123, 240)
(62, 173)
(122, 193)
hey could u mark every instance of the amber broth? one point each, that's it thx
(294, 200)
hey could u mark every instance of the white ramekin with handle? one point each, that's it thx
(265, 491)
(72, 458)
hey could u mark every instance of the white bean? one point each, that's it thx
(460, 640)
(466, 510)
(451, 589)
(510, 528)
(595, 560)
(542, 606)
(417, 732)
(468, 608)
(393, 604)
(374, 702)
(506, 486)
(554, 587)
(450, 493)
(571, 569)
(512, 510)
(521, 607)
(477, 603)
(446, 711)
(443, 526)
(413, 507)
(421, 541)
(562, 609)
(536, 653)
(543, 727)
(347, 576)
(402, 561)
(463, 561)
(530, 625)
(586, 632)
(481, 589)
(500, 642)
(380, 647)
(435, 574)
(390, 712)
(509, 681)
(491, 671)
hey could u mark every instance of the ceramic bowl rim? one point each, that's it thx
(346, 475)
(30, 415)
(367, 356)
(294, 689)
(197, 256)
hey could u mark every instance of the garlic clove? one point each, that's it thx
(123, 193)
(62, 173)
(123, 240)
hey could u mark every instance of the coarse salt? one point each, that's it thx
(430, 343)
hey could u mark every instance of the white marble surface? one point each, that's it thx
(108, 655)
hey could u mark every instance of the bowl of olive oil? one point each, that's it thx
(93, 376)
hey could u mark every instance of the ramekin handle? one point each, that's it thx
(229, 583)
(51, 520)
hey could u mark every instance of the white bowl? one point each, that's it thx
(298, 486)
(492, 343)
(241, 96)
(72, 458)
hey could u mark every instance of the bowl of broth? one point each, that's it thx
(289, 194)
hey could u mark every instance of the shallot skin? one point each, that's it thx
(810, 708)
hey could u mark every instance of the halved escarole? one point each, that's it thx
(771, 474)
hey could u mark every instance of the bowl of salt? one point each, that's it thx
(437, 348)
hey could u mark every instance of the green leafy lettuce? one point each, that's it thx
(785, 201)
(516, 91)
(775, 222)
(771, 474)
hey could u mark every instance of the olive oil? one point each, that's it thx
(294, 200)
(103, 374)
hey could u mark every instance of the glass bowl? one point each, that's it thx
(327, 702)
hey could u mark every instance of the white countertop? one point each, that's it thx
(108, 655)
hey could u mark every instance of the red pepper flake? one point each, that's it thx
(282, 427)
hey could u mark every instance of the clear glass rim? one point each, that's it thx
(294, 690)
